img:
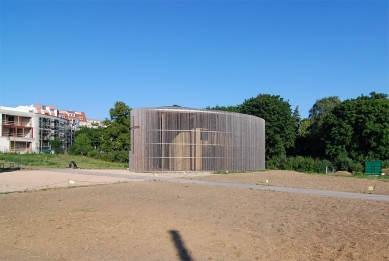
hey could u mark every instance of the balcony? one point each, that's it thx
(17, 123)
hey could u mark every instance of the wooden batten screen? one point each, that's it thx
(184, 139)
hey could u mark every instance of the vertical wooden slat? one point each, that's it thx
(176, 138)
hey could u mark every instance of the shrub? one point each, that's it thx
(343, 163)
(357, 167)
(307, 165)
(299, 163)
(321, 165)
(385, 164)
(93, 154)
(273, 163)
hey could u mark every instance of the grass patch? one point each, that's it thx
(372, 177)
(59, 161)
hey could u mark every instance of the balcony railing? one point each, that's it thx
(16, 123)
(18, 135)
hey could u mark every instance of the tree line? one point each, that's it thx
(111, 142)
(342, 134)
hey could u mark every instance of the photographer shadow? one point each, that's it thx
(181, 249)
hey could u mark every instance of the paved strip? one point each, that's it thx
(149, 176)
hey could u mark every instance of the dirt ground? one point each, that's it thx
(295, 179)
(153, 220)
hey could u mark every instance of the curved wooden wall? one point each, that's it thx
(184, 139)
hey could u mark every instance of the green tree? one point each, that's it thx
(56, 145)
(224, 108)
(280, 125)
(297, 120)
(303, 145)
(299, 142)
(116, 137)
(305, 126)
(94, 134)
(82, 144)
(317, 113)
(358, 128)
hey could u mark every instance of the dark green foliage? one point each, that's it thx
(297, 120)
(343, 163)
(280, 125)
(117, 134)
(358, 128)
(385, 164)
(307, 165)
(357, 167)
(224, 108)
(315, 146)
(300, 139)
(301, 164)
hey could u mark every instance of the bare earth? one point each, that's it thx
(155, 220)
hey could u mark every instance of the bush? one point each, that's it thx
(385, 164)
(93, 154)
(321, 165)
(299, 163)
(357, 167)
(274, 163)
(292, 163)
(307, 165)
(343, 163)
(115, 156)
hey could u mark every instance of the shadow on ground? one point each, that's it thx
(179, 244)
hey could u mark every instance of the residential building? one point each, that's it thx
(46, 109)
(92, 123)
(75, 117)
(24, 130)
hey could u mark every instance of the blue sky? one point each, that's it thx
(86, 55)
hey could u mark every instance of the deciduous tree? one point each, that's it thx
(117, 134)
(359, 128)
(317, 113)
(280, 124)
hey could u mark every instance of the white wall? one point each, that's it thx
(4, 144)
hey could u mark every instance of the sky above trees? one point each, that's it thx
(86, 55)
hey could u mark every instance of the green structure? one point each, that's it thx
(373, 167)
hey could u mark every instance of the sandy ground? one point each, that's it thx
(27, 180)
(295, 179)
(155, 220)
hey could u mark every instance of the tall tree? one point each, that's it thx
(359, 128)
(117, 134)
(280, 124)
(317, 113)
(297, 120)
(299, 142)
